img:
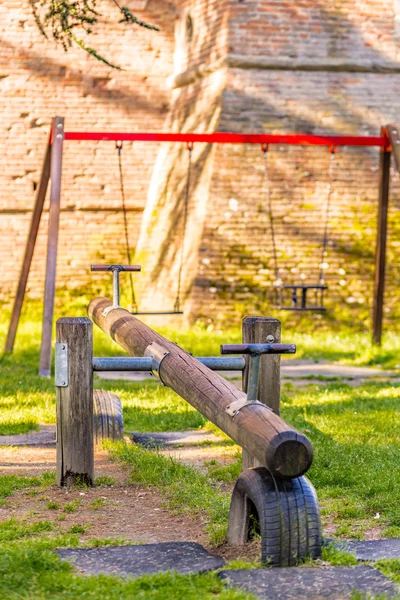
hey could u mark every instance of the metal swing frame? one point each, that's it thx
(388, 142)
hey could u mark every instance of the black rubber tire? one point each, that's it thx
(107, 416)
(286, 511)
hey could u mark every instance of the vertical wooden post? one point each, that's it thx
(51, 264)
(74, 401)
(29, 249)
(263, 330)
(380, 260)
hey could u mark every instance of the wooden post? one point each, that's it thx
(52, 241)
(380, 260)
(263, 330)
(74, 401)
(394, 137)
(29, 248)
(284, 451)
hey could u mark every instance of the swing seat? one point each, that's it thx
(297, 297)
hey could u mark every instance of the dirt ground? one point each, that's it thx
(132, 512)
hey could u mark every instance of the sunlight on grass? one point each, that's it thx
(30, 568)
(355, 430)
(356, 437)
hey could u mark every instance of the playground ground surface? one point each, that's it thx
(182, 492)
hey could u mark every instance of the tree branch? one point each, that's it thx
(58, 18)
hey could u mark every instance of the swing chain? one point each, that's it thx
(118, 146)
(333, 150)
(177, 305)
(264, 149)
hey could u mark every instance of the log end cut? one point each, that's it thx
(290, 454)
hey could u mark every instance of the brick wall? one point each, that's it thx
(312, 66)
(38, 81)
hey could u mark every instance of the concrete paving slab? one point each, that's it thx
(371, 550)
(46, 436)
(311, 583)
(183, 557)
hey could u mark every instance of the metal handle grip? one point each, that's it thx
(258, 349)
(115, 267)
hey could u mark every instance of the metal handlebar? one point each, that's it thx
(116, 270)
(255, 351)
(115, 267)
(258, 349)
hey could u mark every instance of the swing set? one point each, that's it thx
(299, 295)
(177, 305)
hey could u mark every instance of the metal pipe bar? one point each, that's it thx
(122, 363)
(219, 363)
(252, 383)
(128, 363)
(116, 287)
(234, 138)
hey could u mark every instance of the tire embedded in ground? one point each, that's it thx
(284, 512)
(107, 415)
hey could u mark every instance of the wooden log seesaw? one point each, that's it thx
(272, 497)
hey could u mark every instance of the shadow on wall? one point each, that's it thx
(131, 101)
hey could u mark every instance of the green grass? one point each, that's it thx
(356, 438)
(10, 483)
(355, 433)
(338, 558)
(29, 568)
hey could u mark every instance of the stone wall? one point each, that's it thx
(313, 66)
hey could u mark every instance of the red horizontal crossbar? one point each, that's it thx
(233, 138)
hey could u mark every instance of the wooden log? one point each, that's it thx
(282, 450)
(74, 402)
(52, 243)
(29, 248)
(261, 330)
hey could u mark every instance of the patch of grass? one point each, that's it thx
(99, 503)
(52, 505)
(224, 473)
(11, 483)
(390, 568)
(346, 347)
(78, 529)
(33, 570)
(186, 488)
(72, 506)
(101, 542)
(150, 406)
(15, 530)
(243, 563)
(338, 558)
(104, 480)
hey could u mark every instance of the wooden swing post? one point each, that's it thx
(51, 170)
(390, 132)
(52, 244)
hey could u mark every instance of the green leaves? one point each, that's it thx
(60, 19)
